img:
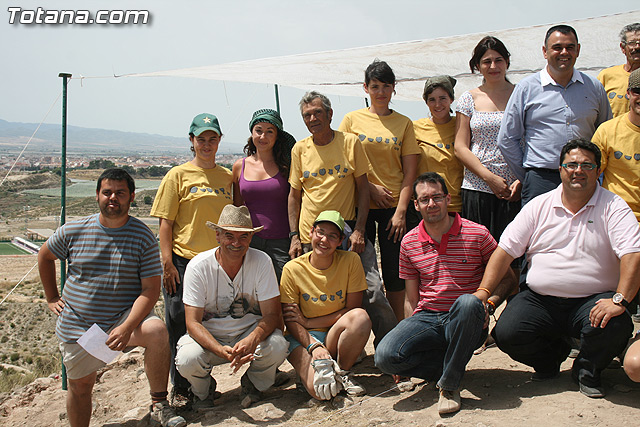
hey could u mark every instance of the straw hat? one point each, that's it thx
(234, 218)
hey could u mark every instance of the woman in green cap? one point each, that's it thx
(189, 195)
(260, 181)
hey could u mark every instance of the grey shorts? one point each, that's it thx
(79, 363)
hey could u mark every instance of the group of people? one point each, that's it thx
(276, 258)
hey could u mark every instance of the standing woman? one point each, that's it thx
(189, 195)
(490, 191)
(260, 181)
(436, 135)
(390, 144)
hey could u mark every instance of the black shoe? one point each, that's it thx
(594, 392)
(544, 376)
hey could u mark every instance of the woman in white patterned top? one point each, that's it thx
(490, 191)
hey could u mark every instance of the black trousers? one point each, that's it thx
(533, 329)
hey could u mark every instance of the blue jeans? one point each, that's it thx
(435, 345)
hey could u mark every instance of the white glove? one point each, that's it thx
(324, 379)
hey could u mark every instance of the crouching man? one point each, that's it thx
(113, 281)
(442, 261)
(232, 311)
(321, 301)
(583, 248)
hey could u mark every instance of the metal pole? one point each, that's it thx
(63, 191)
(277, 99)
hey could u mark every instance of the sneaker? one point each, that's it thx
(349, 384)
(249, 394)
(163, 413)
(449, 402)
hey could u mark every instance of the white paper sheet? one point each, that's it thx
(93, 341)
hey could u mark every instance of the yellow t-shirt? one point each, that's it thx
(385, 140)
(615, 81)
(619, 142)
(322, 292)
(326, 175)
(190, 196)
(436, 143)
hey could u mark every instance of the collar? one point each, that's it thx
(546, 79)
(424, 237)
(556, 200)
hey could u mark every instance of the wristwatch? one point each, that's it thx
(618, 298)
(293, 233)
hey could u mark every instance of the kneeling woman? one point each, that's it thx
(321, 294)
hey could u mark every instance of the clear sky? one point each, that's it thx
(192, 33)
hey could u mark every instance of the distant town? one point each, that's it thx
(35, 162)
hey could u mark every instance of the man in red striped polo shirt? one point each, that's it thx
(442, 261)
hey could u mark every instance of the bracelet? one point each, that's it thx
(486, 290)
(313, 346)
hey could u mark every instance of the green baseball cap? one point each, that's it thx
(203, 122)
(333, 217)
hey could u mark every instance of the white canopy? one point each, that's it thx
(341, 72)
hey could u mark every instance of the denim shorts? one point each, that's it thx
(293, 343)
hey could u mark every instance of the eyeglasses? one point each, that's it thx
(572, 166)
(330, 236)
(632, 43)
(438, 198)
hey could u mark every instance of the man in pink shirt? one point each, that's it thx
(583, 247)
(442, 261)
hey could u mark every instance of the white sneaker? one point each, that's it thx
(349, 384)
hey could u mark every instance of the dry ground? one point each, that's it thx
(496, 390)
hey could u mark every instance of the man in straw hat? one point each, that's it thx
(232, 311)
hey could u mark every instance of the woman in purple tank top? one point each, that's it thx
(260, 181)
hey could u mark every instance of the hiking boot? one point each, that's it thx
(249, 394)
(349, 384)
(202, 405)
(449, 402)
(163, 413)
(282, 378)
(180, 398)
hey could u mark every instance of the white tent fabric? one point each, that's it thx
(341, 72)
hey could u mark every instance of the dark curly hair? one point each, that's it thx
(281, 152)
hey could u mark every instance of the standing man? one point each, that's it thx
(614, 79)
(113, 281)
(546, 110)
(583, 247)
(327, 169)
(619, 142)
(232, 309)
(442, 261)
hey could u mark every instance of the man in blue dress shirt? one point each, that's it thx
(548, 109)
